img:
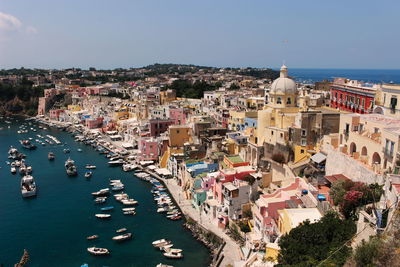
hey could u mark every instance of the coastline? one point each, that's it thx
(231, 251)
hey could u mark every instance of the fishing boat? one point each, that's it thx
(103, 216)
(122, 237)
(121, 230)
(98, 251)
(107, 208)
(88, 174)
(92, 237)
(51, 156)
(28, 186)
(66, 150)
(160, 243)
(89, 167)
(27, 144)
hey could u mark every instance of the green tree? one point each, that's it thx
(311, 243)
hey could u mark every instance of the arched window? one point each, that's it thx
(279, 100)
(288, 101)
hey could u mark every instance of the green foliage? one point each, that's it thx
(350, 195)
(185, 88)
(234, 86)
(310, 243)
(244, 226)
(367, 252)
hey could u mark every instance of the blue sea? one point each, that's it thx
(54, 225)
(366, 75)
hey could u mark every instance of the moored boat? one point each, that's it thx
(28, 186)
(160, 243)
(107, 208)
(88, 174)
(51, 156)
(89, 167)
(121, 230)
(92, 237)
(173, 254)
(103, 216)
(101, 192)
(98, 251)
(122, 237)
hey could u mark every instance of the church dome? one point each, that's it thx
(283, 85)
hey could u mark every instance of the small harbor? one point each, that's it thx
(65, 207)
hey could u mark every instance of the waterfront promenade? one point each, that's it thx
(231, 250)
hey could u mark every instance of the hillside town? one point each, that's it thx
(253, 158)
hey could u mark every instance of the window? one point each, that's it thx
(272, 132)
(177, 131)
(281, 135)
(303, 132)
(303, 142)
(289, 101)
(363, 102)
(279, 100)
(391, 148)
(302, 151)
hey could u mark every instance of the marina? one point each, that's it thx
(76, 221)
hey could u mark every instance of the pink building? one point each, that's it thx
(148, 148)
(178, 115)
(55, 113)
(94, 123)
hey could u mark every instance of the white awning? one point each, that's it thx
(318, 158)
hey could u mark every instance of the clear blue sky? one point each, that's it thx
(256, 33)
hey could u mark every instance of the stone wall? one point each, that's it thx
(340, 163)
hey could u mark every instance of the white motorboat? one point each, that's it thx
(128, 167)
(28, 186)
(114, 181)
(121, 230)
(13, 170)
(173, 255)
(122, 237)
(90, 167)
(98, 251)
(117, 187)
(103, 216)
(99, 200)
(161, 243)
(101, 192)
(129, 202)
(163, 265)
(128, 209)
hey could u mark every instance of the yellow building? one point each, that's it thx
(74, 108)
(291, 218)
(167, 96)
(236, 119)
(121, 113)
(386, 100)
(179, 135)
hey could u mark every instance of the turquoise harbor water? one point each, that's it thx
(53, 226)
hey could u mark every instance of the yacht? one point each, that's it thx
(51, 156)
(173, 254)
(99, 200)
(98, 251)
(28, 186)
(122, 237)
(13, 170)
